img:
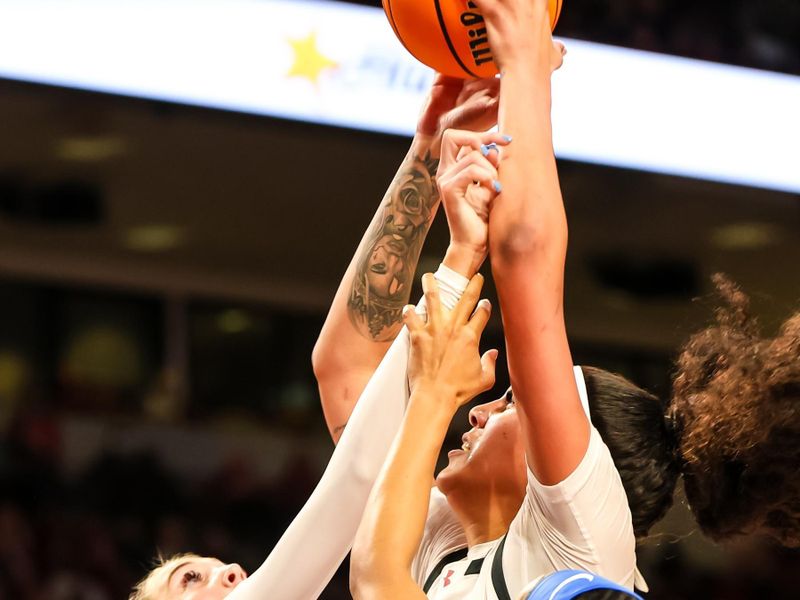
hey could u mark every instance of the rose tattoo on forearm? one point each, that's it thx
(385, 270)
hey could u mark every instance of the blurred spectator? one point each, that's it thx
(762, 34)
(90, 538)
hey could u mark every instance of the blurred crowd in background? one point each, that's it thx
(98, 473)
(90, 537)
(83, 520)
(762, 35)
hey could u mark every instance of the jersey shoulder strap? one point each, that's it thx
(498, 577)
(437, 570)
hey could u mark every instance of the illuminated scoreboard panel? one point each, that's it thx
(340, 64)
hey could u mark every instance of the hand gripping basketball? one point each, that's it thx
(449, 36)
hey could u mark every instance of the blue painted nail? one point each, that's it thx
(497, 187)
(485, 149)
(507, 138)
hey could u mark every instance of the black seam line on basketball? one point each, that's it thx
(447, 39)
(396, 30)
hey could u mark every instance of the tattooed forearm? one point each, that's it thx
(385, 269)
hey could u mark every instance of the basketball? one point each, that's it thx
(448, 35)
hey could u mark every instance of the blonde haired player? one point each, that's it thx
(364, 319)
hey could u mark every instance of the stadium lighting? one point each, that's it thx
(340, 64)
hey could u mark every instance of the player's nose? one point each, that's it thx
(478, 415)
(232, 575)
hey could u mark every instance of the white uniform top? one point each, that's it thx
(311, 549)
(322, 533)
(583, 522)
(314, 545)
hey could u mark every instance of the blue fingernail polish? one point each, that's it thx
(484, 149)
(497, 187)
(507, 138)
(493, 146)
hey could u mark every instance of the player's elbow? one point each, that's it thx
(357, 584)
(516, 241)
(359, 588)
(329, 372)
(323, 369)
(364, 583)
(526, 241)
(378, 584)
(322, 358)
(375, 571)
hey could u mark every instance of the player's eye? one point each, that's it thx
(191, 576)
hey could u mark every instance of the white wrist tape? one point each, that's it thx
(451, 287)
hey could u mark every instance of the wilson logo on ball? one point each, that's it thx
(479, 42)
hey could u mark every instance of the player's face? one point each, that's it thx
(386, 264)
(492, 455)
(201, 579)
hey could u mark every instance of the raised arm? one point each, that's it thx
(445, 372)
(365, 315)
(528, 241)
(339, 499)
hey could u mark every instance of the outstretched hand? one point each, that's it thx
(445, 356)
(520, 31)
(459, 103)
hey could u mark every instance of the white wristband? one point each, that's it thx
(451, 287)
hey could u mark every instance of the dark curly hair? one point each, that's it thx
(736, 400)
(633, 424)
(732, 428)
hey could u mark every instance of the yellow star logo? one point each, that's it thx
(309, 62)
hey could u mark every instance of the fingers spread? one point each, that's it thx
(431, 290)
(462, 152)
(480, 317)
(466, 304)
(473, 174)
(411, 319)
(488, 366)
(454, 140)
(473, 167)
(489, 85)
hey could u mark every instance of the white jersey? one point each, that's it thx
(321, 534)
(583, 522)
(323, 531)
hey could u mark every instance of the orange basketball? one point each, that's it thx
(447, 35)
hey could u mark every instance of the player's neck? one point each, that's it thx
(484, 516)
